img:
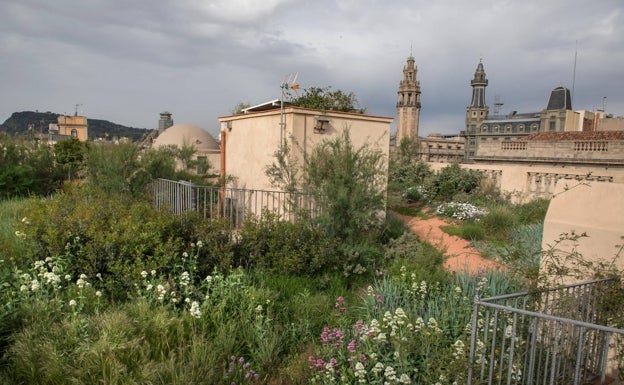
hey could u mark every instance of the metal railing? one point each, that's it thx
(556, 336)
(237, 205)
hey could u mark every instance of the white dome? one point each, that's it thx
(181, 135)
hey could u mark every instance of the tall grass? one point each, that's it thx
(11, 213)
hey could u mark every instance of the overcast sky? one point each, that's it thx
(128, 60)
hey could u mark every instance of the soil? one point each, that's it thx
(460, 255)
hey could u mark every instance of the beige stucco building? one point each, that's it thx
(249, 141)
(69, 127)
(441, 149)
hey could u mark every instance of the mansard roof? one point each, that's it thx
(577, 135)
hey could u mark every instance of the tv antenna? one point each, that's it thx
(76, 108)
(289, 83)
(497, 104)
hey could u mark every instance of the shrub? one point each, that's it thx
(500, 220)
(450, 181)
(268, 243)
(533, 211)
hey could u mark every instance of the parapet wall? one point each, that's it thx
(525, 182)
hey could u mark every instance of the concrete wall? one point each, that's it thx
(594, 208)
(252, 139)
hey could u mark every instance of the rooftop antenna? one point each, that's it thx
(76, 109)
(289, 83)
(497, 104)
(574, 71)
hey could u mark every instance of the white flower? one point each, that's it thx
(200, 244)
(72, 303)
(144, 274)
(98, 293)
(149, 287)
(194, 310)
(34, 285)
(185, 278)
(153, 272)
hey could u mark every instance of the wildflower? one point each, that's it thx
(25, 220)
(185, 278)
(200, 244)
(99, 276)
(19, 234)
(82, 281)
(458, 290)
(208, 278)
(23, 288)
(259, 309)
(34, 285)
(352, 346)
(144, 274)
(72, 303)
(149, 287)
(381, 337)
(194, 310)
(378, 368)
(98, 293)
(185, 254)
(404, 379)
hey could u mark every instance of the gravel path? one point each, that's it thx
(460, 255)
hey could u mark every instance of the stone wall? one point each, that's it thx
(525, 182)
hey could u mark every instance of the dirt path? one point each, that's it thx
(460, 255)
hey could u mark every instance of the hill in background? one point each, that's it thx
(38, 122)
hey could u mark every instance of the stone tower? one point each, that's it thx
(165, 121)
(408, 104)
(477, 111)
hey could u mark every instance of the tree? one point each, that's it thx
(349, 182)
(70, 155)
(326, 99)
(238, 109)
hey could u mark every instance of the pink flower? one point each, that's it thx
(352, 346)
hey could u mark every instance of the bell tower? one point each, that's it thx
(477, 111)
(408, 104)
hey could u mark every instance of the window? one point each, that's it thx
(552, 125)
(474, 113)
(74, 133)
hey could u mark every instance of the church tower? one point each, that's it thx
(408, 104)
(476, 112)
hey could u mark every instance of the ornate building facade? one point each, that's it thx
(408, 103)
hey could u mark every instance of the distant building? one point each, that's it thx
(207, 150)
(481, 127)
(408, 104)
(68, 127)
(165, 121)
(438, 148)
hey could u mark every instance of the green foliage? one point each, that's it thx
(238, 108)
(117, 237)
(326, 99)
(115, 168)
(349, 183)
(407, 174)
(450, 181)
(268, 243)
(533, 211)
(499, 221)
(425, 262)
(70, 155)
(27, 168)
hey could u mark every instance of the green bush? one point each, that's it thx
(118, 237)
(422, 259)
(268, 243)
(499, 221)
(533, 211)
(451, 181)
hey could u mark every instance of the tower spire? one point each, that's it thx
(408, 103)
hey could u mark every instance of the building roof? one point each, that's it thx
(181, 135)
(560, 99)
(577, 135)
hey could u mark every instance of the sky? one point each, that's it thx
(128, 60)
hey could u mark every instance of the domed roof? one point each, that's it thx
(186, 135)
